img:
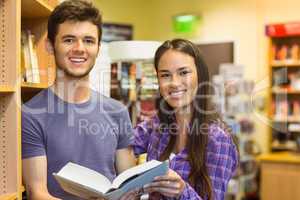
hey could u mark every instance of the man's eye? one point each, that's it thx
(90, 41)
(69, 40)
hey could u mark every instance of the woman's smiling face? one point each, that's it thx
(177, 77)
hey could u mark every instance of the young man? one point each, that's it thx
(69, 121)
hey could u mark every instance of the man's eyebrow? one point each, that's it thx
(73, 36)
(90, 37)
(68, 36)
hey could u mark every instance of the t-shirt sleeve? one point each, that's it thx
(125, 130)
(32, 137)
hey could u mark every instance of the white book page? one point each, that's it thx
(134, 171)
(85, 176)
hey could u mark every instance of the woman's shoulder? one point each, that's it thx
(219, 133)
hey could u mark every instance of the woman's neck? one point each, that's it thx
(183, 120)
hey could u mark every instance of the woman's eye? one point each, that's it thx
(184, 73)
(164, 75)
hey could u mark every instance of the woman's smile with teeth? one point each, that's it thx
(177, 93)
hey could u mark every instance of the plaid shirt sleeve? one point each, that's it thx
(141, 138)
(222, 162)
(189, 193)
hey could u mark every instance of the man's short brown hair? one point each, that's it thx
(73, 10)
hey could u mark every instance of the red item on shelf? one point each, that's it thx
(283, 30)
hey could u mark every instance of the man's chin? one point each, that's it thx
(77, 75)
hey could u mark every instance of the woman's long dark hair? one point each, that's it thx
(201, 115)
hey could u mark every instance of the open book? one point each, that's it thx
(87, 183)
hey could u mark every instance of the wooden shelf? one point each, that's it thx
(33, 86)
(281, 157)
(35, 8)
(6, 89)
(287, 145)
(287, 119)
(284, 91)
(12, 196)
(285, 64)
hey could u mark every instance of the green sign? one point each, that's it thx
(185, 23)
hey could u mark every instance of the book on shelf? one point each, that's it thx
(285, 54)
(33, 58)
(25, 59)
(29, 61)
(87, 183)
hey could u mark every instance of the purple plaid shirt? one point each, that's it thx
(221, 156)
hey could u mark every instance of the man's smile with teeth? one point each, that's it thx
(77, 60)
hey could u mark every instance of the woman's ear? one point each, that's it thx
(49, 46)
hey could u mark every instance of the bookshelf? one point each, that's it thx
(35, 20)
(14, 16)
(284, 93)
(136, 86)
(133, 77)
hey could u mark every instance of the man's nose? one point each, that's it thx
(78, 46)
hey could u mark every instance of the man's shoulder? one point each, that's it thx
(37, 104)
(110, 104)
(37, 100)
(34, 111)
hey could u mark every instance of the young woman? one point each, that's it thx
(186, 130)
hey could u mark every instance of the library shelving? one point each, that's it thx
(16, 15)
(284, 93)
(136, 86)
(133, 77)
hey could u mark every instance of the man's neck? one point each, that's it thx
(72, 90)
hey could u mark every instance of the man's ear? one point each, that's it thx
(49, 46)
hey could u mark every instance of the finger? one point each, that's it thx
(166, 178)
(164, 184)
(96, 198)
(130, 195)
(164, 191)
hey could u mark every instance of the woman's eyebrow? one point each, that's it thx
(163, 70)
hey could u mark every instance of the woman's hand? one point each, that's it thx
(131, 195)
(96, 198)
(169, 185)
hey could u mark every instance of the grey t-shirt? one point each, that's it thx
(87, 134)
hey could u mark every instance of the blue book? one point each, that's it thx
(86, 183)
